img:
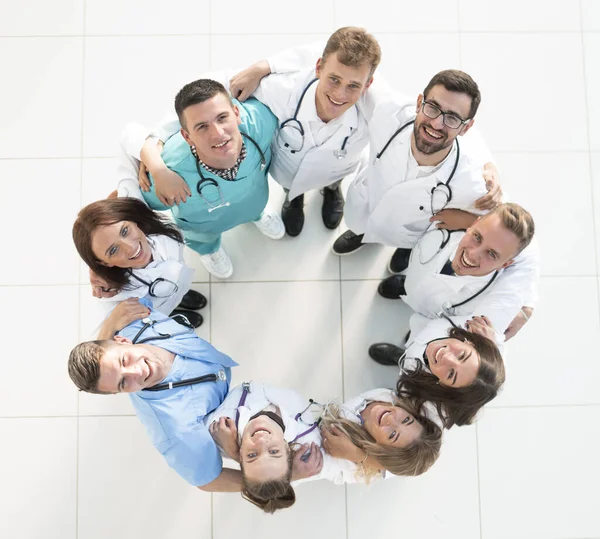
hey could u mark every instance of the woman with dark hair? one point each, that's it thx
(270, 431)
(457, 370)
(133, 252)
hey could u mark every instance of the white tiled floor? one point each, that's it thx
(75, 466)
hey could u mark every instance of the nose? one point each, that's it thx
(218, 131)
(133, 369)
(449, 358)
(438, 123)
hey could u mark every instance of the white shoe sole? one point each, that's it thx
(277, 236)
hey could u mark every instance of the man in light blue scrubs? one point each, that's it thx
(222, 153)
(173, 417)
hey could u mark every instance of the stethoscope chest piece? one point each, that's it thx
(340, 153)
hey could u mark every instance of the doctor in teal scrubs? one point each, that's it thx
(223, 154)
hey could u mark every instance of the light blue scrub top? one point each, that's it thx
(174, 417)
(247, 194)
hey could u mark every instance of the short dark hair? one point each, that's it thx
(199, 91)
(458, 81)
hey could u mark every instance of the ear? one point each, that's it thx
(466, 127)
(186, 136)
(420, 102)
(508, 263)
(319, 67)
(370, 81)
(236, 111)
(121, 340)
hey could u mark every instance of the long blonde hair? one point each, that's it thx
(411, 460)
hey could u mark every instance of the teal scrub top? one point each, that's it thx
(247, 195)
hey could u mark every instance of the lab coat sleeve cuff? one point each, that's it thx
(133, 138)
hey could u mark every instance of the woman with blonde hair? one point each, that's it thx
(271, 432)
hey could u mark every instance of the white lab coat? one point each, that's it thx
(391, 202)
(315, 165)
(291, 403)
(514, 287)
(423, 330)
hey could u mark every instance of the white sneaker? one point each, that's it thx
(218, 264)
(270, 224)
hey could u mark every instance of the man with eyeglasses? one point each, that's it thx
(418, 167)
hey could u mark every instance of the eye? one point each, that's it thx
(200, 127)
(334, 80)
(406, 419)
(251, 455)
(112, 251)
(223, 118)
(462, 356)
(124, 231)
(273, 451)
(392, 435)
(492, 255)
(450, 374)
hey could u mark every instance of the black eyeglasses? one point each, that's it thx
(450, 120)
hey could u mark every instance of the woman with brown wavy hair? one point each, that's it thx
(457, 370)
(134, 252)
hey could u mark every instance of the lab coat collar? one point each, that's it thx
(352, 408)
(308, 111)
(292, 427)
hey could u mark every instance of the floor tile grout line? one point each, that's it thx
(82, 110)
(348, 280)
(489, 409)
(269, 34)
(590, 163)
(478, 481)
(511, 152)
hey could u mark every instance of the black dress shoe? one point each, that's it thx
(348, 243)
(392, 287)
(195, 319)
(192, 301)
(292, 214)
(333, 207)
(385, 353)
(399, 261)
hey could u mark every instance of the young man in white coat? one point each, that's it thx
(490, 269)
(322, 132)
(418, 167)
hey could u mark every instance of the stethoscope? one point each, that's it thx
(293, 125)
(447, 307)
(149, 322)
(298, 417)
(443, 187)
(158, 281)
(204, 182)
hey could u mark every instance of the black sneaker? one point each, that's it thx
(392, 287)
(348, 243)
(187, 318)
(192, 301)
(292, 214)
(385, 353)
(333, 207)
(399, 261)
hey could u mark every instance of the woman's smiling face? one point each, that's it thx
(122, 245)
